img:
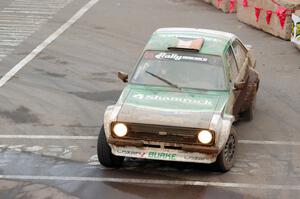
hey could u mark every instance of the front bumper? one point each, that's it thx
(164, 151)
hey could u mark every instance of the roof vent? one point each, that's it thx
(188, 44)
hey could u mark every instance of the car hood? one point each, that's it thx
(170, 107)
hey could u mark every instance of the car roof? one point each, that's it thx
(215, 42)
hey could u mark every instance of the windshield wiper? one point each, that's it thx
(164, 80)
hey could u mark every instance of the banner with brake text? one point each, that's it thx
(296, 29)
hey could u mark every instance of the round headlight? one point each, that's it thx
(205, 137)
(120, 129)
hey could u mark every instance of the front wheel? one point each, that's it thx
(105, 156)
(226, 158)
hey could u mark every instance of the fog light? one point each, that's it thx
(205, 137)
(120, 129)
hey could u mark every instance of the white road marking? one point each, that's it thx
(63, 137)
(19, 25)
(9, 44)
(16, 28)
(262, 142)
(23, 21)
(10, 40)
(11, 36)
(6, 32)
(51, 137)
(28, 12)
(31, 17)
(48, 41)
(154, 181)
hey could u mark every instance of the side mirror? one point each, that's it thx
(123, 76)
(239, 85)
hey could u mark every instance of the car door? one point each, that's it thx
(232, 76)
(242, 61)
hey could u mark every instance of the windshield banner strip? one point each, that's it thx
(174, 56)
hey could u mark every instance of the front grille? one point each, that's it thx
(159, 133)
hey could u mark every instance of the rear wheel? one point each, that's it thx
(226, 158)
(105, 156)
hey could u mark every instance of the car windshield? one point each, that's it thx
(180, 69)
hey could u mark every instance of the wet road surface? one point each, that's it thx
(52, 109)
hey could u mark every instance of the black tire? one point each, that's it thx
(105, 156)
(249, 113)
(226, 158)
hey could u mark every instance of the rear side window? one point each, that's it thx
(232, 63)
(240, 53)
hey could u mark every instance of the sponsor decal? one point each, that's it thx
(130, 153)
(176, 57)
(172, 99)
(151, 154)
(164, 156)
(193, 158)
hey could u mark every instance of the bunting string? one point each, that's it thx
(281, 11)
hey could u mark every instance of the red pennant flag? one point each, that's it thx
(257, 13)
(282, 18)
(268, 16)
(218, 3)
(245, 3)
(281, 13)
(281, 10)
(232, 5)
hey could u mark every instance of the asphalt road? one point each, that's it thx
(57, 100)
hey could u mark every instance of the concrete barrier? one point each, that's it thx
(272, 16)
(296, 29)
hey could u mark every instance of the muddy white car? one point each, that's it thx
(187, 89)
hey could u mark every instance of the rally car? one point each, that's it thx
(187, 89)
